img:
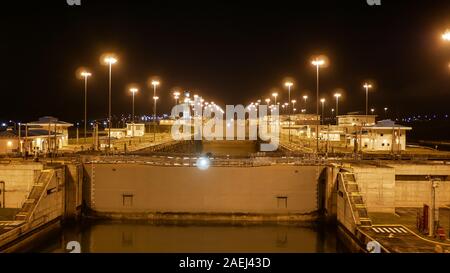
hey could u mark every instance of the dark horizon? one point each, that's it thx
(229, 52)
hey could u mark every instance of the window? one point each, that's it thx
(282, 202)
(127, 200)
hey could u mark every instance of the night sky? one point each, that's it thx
(226, 51)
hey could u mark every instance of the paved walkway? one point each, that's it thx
(398, 233)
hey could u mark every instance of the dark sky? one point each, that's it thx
(232, 52)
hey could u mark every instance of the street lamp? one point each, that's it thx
(267, 101)
(109, 60)
(176, 96)
(385, 112)
(372, 110)
(305, 97)
(318, 62)
(337, 95)
(85, 75)
(289, 84)
(275, 95)
(133, 92)
(367, 86)
(323, 102)
(155, 83)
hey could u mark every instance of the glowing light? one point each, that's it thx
(155, 98)
(134, 90)
(155, 83)
(367, 85)
(110, 60)
(288, 84)
(318, 62)
(337, 95)
(203, 163)
(322, 100)
(9, 143)
(85, 74)
(446, 35)
(275, 94)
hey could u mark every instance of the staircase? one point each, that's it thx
(35, 195)
(356, 200)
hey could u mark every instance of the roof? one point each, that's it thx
(387, 124)
(49, 120)
(9, 134)
(356, 115)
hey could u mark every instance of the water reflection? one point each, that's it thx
(167, 238)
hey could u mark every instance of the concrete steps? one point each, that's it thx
(356, 199)
(35, 193)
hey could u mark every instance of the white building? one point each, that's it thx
(52, 125)
(385, 135)
(352, 120)
(135, 129)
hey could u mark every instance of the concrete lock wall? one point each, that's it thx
(18, 180)
(377, 185)
(73, 190)
(417, 192)
(383, 192)
(145, 188)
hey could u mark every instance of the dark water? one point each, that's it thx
(169, 238)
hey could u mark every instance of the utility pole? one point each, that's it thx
(434, 184)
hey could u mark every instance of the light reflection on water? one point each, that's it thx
(170, 238)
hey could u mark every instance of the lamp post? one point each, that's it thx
(109, 60)
(275, 95)
(322, 101)
(385, 112)
(155, 83)
(85, 75)
(176, 96)
(133, 92)
(305, 97)
(289, 84)
(317, 63)
(372, 111)
(367, 86)
(337, 95)
(155, 98)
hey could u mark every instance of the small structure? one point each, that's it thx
(351, 120)
(32, 141)
(53, 126)
(385, 135)
(116, 133)
(135, 129)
